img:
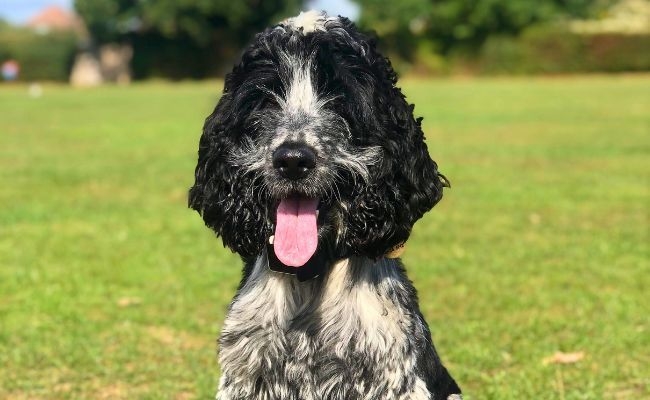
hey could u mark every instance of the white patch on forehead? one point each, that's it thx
(301, 96)
(309, 21)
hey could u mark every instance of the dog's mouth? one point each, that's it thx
(296, 230)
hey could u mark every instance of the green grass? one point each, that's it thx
(111, 288)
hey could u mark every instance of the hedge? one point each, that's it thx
(552, 50)
(41, 56)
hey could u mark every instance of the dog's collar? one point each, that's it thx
(313, 268)
(396, 251)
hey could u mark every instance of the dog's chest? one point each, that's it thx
(345, 336)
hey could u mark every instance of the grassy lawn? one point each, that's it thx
(111, 288)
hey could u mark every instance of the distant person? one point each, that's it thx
(10, 70)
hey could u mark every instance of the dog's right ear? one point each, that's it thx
(221, 193)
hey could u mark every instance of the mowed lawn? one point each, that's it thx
(110, 288)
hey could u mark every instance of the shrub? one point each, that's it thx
(41, 56)
(613, 53)
(556, 50)
(428, 61)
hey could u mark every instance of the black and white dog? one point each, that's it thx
(313, 168)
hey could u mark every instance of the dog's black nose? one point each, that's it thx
(294, 160)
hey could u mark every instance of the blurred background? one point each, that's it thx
(88, 42)
(533, 271)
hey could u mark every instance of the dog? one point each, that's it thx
(313, 169)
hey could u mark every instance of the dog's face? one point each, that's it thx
(313, 144)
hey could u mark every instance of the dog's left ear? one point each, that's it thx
(406, 183)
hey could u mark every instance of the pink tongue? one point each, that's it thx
(296, 233)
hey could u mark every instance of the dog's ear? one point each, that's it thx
(406, 183)
(221, 194)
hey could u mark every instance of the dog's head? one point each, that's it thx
(311, 141)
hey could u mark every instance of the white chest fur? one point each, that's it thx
(342, 336)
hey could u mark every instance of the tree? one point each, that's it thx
(398, 23)
(464, 23)
(469, 23)
(192, 27)
(109, 20)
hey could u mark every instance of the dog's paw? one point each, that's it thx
(455, 397)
